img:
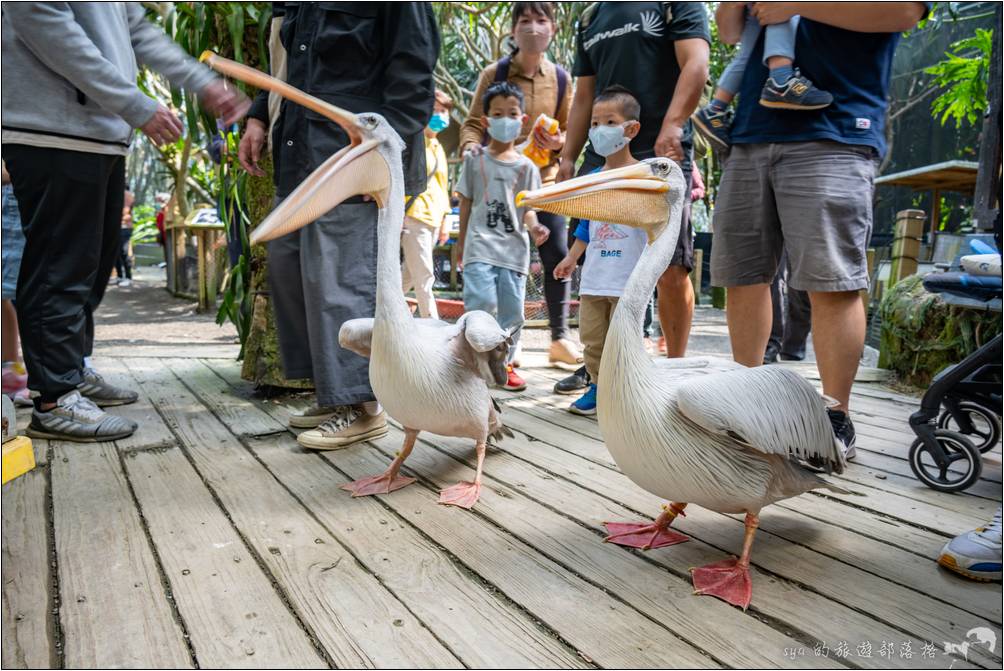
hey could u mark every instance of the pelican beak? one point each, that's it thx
(634, 196)
(355, 170)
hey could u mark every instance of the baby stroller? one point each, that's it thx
(960, 414)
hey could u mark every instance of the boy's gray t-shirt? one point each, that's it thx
(495, 231)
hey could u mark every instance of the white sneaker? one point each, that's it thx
(348, 426)
(125, 282)
(976, 554)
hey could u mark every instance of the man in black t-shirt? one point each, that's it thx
(658, 51)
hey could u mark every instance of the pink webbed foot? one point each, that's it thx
(729, 580)
(384, 483)
(644, 536)
(462, 494)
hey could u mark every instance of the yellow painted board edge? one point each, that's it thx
(18, 458)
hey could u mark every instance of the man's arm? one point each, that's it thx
(578, 125)
(160, 53)
(692, 55)
(862, 17)
(50, 32)
(730, 18)
(408, 85)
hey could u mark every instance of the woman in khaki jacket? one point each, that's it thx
(547, 90)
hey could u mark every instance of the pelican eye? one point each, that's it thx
(369, 121)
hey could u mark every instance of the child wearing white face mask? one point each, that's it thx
(494, 240)
(612, 251)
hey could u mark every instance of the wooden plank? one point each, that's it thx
(152, 431)
(787, 604)
(905, 608)
(483, 629)
(168, 351)
(736, 640)
(240, 417)
(278, 409)
(609, 632)
(26, 624)
(357, 621)
(39, 447)
(113, 608)
(232, 613)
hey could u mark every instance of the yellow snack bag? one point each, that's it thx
(539, 155)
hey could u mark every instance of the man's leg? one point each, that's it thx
(749, 316)
(61, 195)
(777, 318)
(286, 293)
(838, 327)
(676, 309)
(747, 249)
(797, 323)
(114, 199)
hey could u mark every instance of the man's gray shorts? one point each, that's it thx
(813, 199)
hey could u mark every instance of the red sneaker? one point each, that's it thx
(514, 381)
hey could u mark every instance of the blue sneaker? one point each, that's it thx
(585, 404)
(716, 127)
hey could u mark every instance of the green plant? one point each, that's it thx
(144, 227)
(963, 74)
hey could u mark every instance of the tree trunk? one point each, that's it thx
(261, 351)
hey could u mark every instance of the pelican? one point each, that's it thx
(694, 430)
(429, 375)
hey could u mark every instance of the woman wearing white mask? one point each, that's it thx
(546, 90)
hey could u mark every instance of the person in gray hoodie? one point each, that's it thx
(70, 107)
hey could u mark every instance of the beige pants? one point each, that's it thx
(417, 241)
(595, 313)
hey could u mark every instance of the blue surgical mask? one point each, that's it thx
(504, 128)
(439, 122)
(607, 139)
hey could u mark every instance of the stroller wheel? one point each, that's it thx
(961, 469)
(986, 425)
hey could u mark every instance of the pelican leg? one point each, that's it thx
(389, 480)
(648, 536)
(729, 580)
(465, 494)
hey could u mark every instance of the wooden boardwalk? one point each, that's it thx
(210, 539)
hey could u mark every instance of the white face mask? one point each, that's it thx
(607, 139)
(504, 128)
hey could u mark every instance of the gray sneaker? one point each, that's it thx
(102, 393)
(76, 418)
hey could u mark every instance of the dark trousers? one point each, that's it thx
(792, 317)
(71, 213)
(123, 266)
(557, 293)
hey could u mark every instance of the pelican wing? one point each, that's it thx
(357, 334)
(485, 346)
(770, 409)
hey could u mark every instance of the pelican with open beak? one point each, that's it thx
(429, 375)
(690, 430)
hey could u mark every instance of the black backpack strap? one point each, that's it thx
(502, 69)
(562, 86)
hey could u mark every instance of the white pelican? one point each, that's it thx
(429, 375)
(700, 430)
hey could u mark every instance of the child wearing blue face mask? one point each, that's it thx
(611, 250)
(495, 234)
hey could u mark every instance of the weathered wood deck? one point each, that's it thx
(210, 538)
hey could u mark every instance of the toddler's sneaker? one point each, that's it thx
(976, 554)
(513, 382)
(798, 93)
(585, 404)
(715, 126)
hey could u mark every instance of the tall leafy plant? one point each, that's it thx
(963, 74)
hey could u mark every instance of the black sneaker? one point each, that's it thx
(770, 356)
(715, 127)
(574, 383)
(843, 429)
(798, 93)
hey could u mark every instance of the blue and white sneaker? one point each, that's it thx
(976, 554)
(585, 404)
